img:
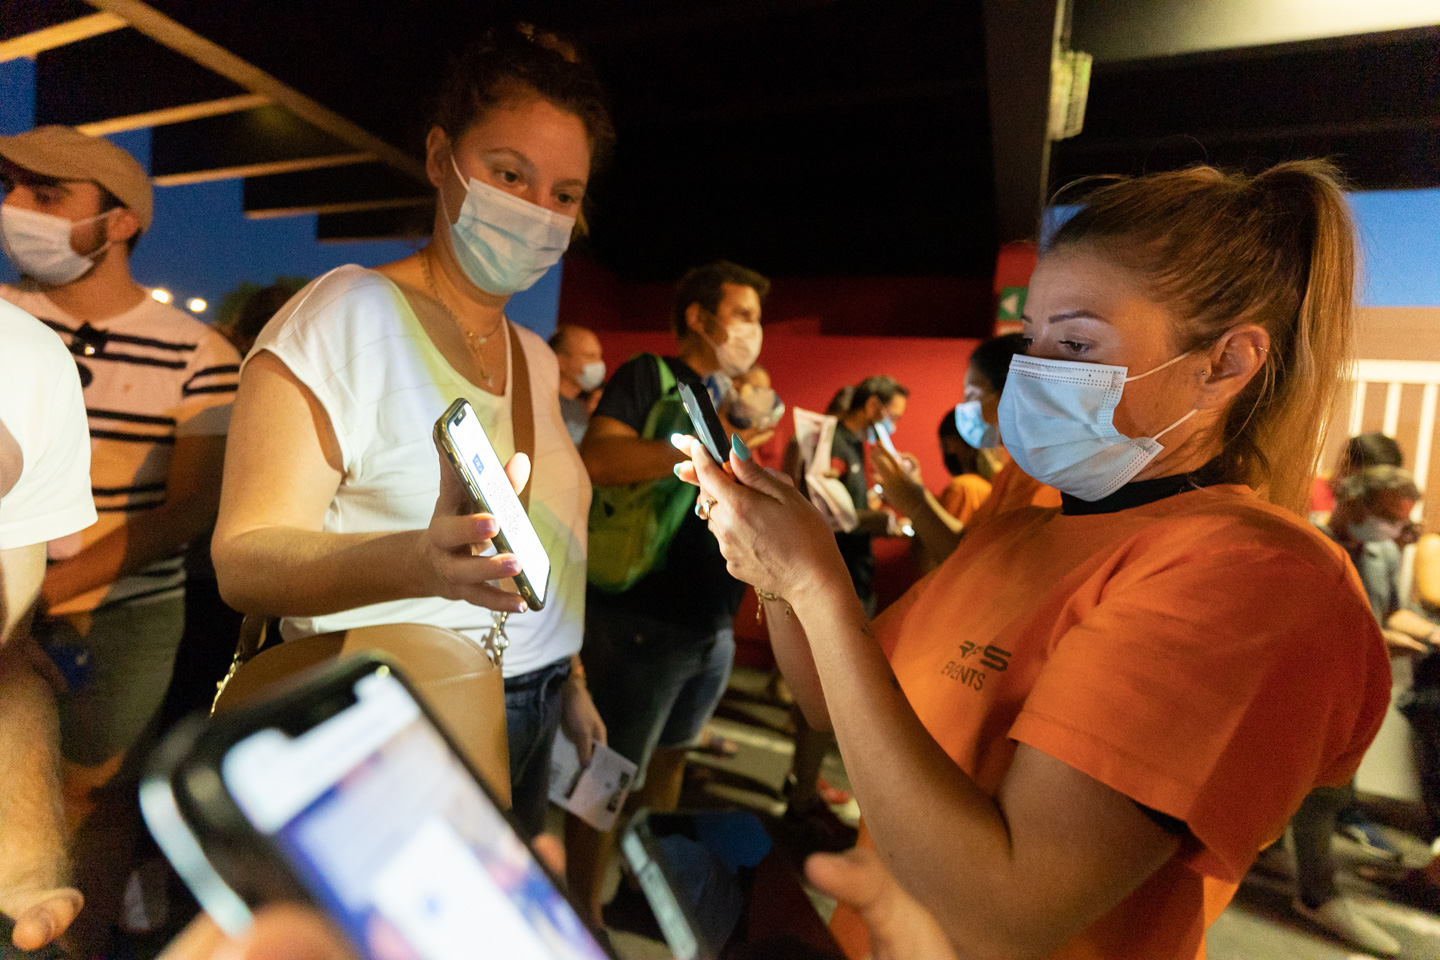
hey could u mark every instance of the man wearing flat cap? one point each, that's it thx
(158, 386)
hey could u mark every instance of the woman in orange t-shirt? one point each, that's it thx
(1072, 739)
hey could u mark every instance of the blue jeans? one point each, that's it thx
(653, 686)
(532, 715)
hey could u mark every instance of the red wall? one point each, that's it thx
(843, 306)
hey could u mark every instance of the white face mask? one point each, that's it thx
(39, 245)
(504, 244)
(974, 428)
(591, 375)
(1056, 417)
(741, 348)
(1376, 530)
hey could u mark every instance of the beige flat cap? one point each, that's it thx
(67, 154)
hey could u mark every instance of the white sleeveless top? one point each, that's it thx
(352, 338)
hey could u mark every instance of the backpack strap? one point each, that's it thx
(667, 387)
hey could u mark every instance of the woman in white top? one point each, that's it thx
(329, 516)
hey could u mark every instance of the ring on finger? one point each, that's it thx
(703, 508)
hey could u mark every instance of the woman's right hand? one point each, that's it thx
(769, 533)
(448, 561)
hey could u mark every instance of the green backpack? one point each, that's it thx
(631, 525)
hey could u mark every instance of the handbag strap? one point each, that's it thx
(522, 409)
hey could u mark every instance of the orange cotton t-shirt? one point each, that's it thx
(1013, 489)
(963, 495)
(1207, 655)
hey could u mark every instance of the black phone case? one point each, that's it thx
(708, 427)
(502, 545)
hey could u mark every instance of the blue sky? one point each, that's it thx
(201, 245)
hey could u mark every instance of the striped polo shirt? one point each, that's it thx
(150, 375)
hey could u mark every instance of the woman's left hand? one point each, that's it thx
(770, 535)
(579, 718)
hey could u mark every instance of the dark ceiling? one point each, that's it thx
(807, 138)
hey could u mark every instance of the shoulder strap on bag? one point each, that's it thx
(522, 410)
(667, 387)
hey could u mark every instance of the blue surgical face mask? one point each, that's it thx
(974, 428)
(1056, 417)
(503, 243)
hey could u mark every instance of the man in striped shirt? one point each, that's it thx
(158, 388)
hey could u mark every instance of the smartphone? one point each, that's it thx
(708, 426)
(693, 869)
(343, 792)
(462, 439)
(882, 436)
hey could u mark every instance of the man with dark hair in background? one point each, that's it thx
(659, 650)
(877, 402)
(158, 387)
(582, 370)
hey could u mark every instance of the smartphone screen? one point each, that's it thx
(479, 461)
(882, 436)
(391, 835)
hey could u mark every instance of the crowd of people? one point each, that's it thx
(1139, 652)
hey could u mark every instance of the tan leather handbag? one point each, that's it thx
(459, 681)
(455, 677)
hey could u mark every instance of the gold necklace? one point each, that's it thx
(476, 341)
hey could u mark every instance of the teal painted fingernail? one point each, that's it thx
(738, 445)
(677, 468)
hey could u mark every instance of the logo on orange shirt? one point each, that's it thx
(991, 656)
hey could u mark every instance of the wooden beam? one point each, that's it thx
(266, 140)
(182, 114)
(258, 169)
(161, 28)
(38, 41)
(359, 187)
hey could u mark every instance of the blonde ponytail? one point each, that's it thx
(1220, 250)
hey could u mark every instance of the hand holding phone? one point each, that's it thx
(344, 794)
(471, 459)
(709, 428)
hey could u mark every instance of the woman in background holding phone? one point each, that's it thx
(329, 515)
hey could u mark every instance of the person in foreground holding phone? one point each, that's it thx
(899, 927)
(1073, 738)
(329, 516)
(44, 495)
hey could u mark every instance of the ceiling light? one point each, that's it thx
(196, 305)
(161, 294)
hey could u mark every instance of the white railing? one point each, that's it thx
(1393, 376)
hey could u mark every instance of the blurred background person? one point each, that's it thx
(876, 401)
(970, 470)
(976, 419)
(659, 649)
(1372, 507)
(1361, 451)
(256, 311)
(582, 371)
